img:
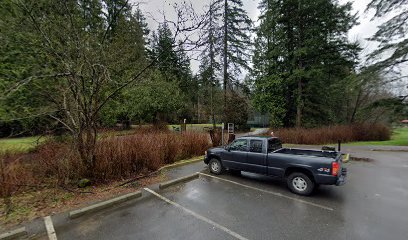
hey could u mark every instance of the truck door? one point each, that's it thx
(236, 155)
(276, 163)
(256, 159)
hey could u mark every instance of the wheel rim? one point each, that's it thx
(299, 184)
(215, 166)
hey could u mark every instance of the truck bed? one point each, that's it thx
(307, 152)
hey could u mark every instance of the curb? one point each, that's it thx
(104, 204)
(389, 150)
(178, 180)
(14, 234)
(181, 163)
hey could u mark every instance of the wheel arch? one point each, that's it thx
(214, 156)
(303, 170)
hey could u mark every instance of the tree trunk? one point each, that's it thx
(356, 106)
(212, 62)
(299, 106)
(300, 44)
(225, 50)
(86, 143)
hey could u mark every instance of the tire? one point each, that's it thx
(300, 183)
(215, 166)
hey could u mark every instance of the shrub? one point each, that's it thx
(13, 175)
(124, 156)
(331, 134)
(116, 157)
(55, 158)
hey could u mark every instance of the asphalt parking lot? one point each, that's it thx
(372, 205)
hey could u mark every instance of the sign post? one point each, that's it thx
(231, 132)
(230, 128)
(222, 134)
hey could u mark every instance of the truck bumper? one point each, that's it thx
(332, 180)
(342, 178)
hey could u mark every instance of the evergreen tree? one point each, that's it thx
(210, 66)
(171, 58)
(236, 39)
(301, 52)
(227, 29)
(391, 35)
(163, 50)
(174, 64)
(141, 19)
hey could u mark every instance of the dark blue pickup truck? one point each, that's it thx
(302, 169)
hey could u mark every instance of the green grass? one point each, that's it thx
(23, 144)
(195, 127)
(398, 138)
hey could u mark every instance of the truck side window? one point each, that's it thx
(256, 146)
(274, 144)
(239, 145)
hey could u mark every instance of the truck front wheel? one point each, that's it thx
(215, 166)
(300, 183)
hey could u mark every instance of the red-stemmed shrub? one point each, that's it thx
(116, 157)
(121, 157)
(331, 134)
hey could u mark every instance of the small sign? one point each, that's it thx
(230, 128)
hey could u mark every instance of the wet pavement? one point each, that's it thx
(372, 205)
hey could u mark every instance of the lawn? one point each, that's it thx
(22, 144)
(195, 127)
(25, 144)
(398, 138)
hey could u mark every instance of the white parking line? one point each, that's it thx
(50, 228)
(198, 216)
(270, 192)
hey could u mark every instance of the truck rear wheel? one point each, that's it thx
(215, 166)
(300, 183)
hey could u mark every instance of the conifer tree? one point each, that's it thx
(302, 51)
(392, 36)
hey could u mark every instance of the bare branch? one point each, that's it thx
(25, 81)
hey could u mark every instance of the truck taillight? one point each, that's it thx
(335, 168)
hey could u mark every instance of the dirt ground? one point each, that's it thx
(32, 203)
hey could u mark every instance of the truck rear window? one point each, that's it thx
(274, 144)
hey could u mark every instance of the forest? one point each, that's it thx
(68, 66)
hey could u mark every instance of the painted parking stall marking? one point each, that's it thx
(50, 228)
(270, 192)
(198, 216)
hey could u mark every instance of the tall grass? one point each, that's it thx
(331, 134)
(13, 175)
(128, 155)
(116, 157)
